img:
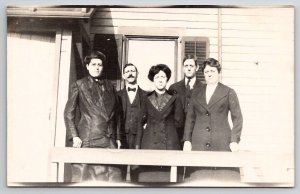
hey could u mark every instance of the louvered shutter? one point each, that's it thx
(197, 48)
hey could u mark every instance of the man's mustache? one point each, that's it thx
(131, 76)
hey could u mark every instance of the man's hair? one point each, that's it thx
(186, 57)
(127, 65)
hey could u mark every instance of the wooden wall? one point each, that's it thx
(254, 46)
(258, 62)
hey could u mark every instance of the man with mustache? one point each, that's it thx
(131, 97)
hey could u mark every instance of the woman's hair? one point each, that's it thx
(94, 55)
(157, 68)
(213, 63)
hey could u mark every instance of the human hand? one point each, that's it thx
(145, 125)
(234, 147)
(119, 144)
(187, 146)
(77, 142)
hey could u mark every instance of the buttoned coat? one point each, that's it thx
(207, 125)
(99, 123)
(161, 132)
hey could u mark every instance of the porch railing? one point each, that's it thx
(255, 167)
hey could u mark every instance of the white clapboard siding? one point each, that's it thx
(154, 23)
(256, 47)
(192, 11)
(129, 15)
(262, 11)
(159, 21)
(258, 62)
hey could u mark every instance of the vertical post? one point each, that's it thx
(63, 90)
(173, 174)
(220, 38)
(60, 175)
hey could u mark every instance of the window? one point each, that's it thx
(197, 46)
(111, 45)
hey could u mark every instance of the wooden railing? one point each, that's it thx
(255, 167)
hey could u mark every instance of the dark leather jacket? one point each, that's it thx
(99, 122)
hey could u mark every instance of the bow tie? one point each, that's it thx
(99, 81)
(131, 89)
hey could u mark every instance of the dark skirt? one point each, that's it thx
(223, 174)
(157, 174)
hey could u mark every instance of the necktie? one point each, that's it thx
(131, 89)
(188, 87)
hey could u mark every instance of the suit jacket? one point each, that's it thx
(162, 127)
(123, 99)
(207, 125)
(179, 88)
(99, 122)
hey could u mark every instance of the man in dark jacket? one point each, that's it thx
(98, 127)
(187, 85)
(131, 97)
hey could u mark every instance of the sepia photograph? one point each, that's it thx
(151, 96)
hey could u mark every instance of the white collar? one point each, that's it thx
(192, 82)
(212, 85)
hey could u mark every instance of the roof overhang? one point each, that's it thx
(49, 12)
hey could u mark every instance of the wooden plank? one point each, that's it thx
(173, 174)
(236, 33)
(155, 16)
(258, 11)
(154, 31)
(63, 90)
(287, 27)
(209, 11)
(170, 157)
(266, 50)
(153, 23)
(288, 42)
(258, 19)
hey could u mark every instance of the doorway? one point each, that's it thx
(145, 52)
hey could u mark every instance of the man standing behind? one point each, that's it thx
(131, 97)
(185, 87)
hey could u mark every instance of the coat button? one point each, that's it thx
(207, 113)
(207, 145)
(207, 129)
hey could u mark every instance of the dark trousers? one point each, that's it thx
(95, 172)
(130, 140)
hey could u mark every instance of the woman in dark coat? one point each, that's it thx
(99, 124)
(207, 127)
(163, 117)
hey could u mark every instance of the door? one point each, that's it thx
(30, 67)
(145, 52)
